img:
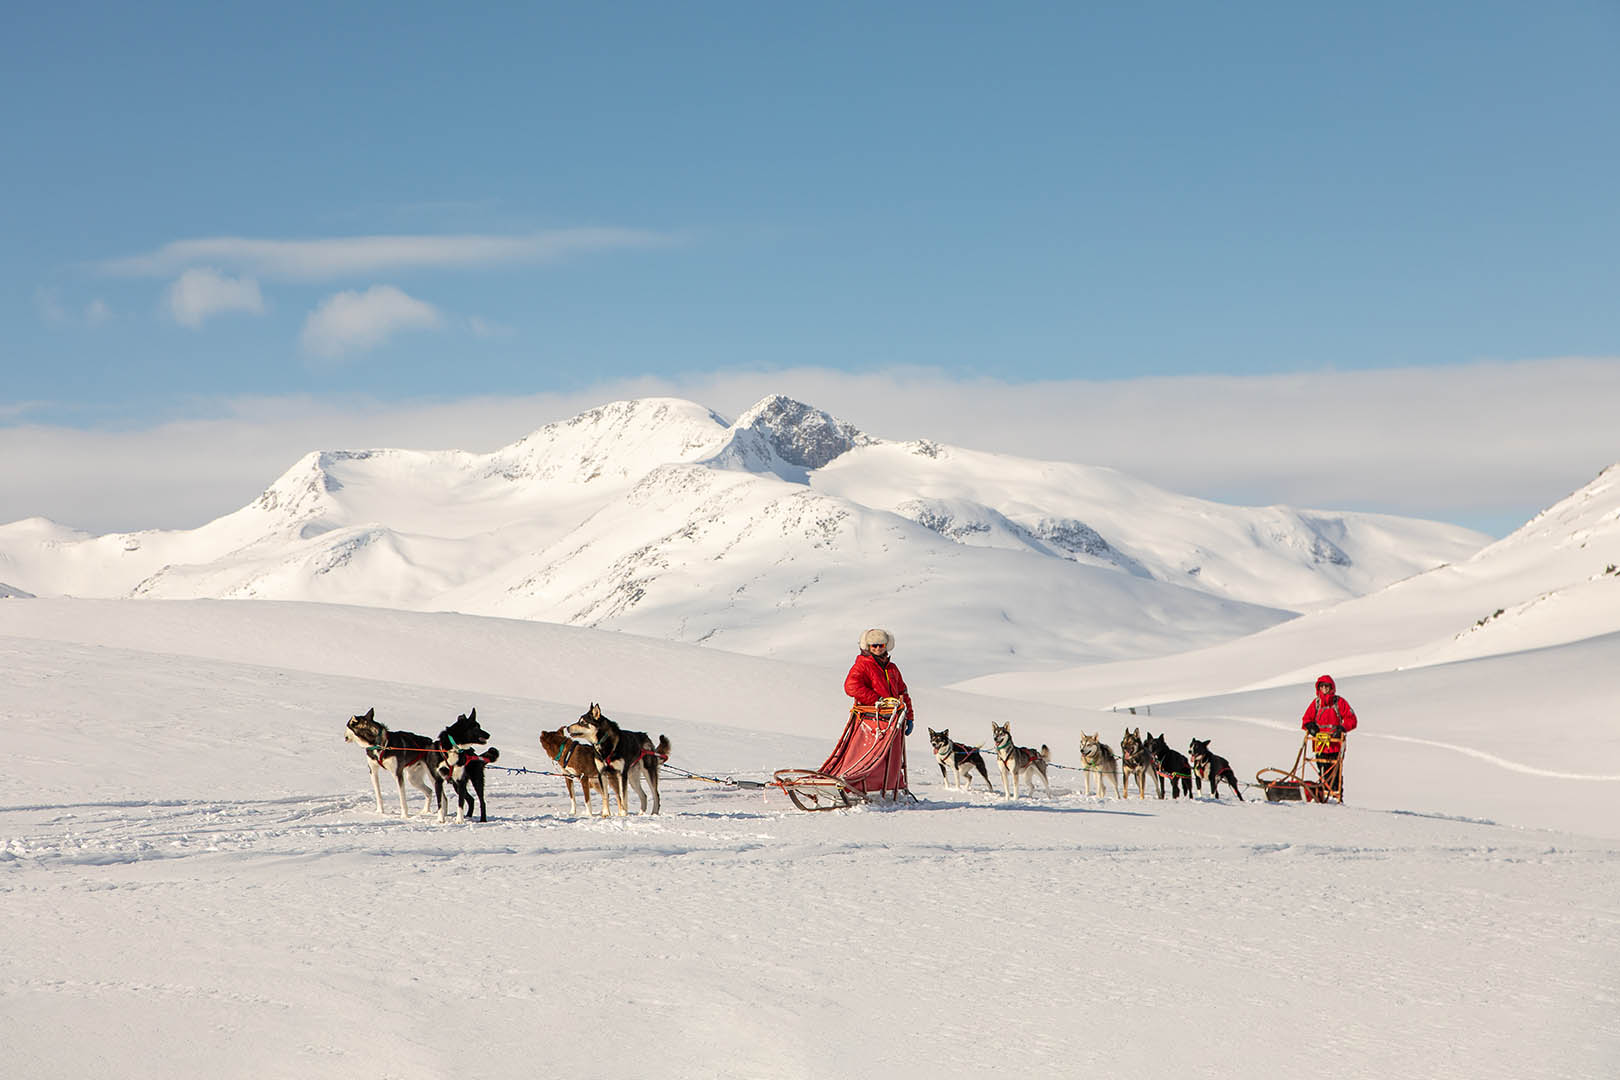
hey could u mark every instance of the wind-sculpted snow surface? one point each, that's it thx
(197, 884)
(659, 517)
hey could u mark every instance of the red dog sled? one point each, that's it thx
(869, 761)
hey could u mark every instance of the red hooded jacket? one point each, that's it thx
(870, 679)
(1331, 712)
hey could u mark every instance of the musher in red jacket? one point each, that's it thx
(874, 676)
(1326, 719)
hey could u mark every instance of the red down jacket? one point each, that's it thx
(870, 679)
(1331, 713)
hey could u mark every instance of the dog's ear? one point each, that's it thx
(371, 713)
(596, 711)
(472, 713)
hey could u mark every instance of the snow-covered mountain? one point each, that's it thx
(1552, 582)
(780, 534)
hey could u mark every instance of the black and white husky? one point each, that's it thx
(464, 768)
(957, 761)
(407, 755)
(1100, 762)
(1018, 762)
(629, 756)
(410, 756)
(1212, 767)
(1167, 764)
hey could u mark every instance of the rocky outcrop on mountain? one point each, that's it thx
(787, 438)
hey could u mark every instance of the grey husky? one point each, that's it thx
(1018, 762)
(1100, 762)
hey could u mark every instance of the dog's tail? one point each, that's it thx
(490, 754)
(1046, 753)
(662, 751)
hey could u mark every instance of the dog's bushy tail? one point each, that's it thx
(490, 754)
(1046, 753)
(663, 751)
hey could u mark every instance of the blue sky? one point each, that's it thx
(404, 205)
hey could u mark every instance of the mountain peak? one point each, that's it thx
(801, 435)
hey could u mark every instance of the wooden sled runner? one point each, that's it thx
(811, 790)
(1294, 786)
(869, 761)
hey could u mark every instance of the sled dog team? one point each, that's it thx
(1139, 756)
(593, 750)
(608, 759)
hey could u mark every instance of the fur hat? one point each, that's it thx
(876, 636)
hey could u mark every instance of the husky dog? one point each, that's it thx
(1133, 756)
(1018, 761)
(407, 755)
(1168, 764)
(1100, 761)
(578, 761)
(1212, 767)
(463, 732)
(629, 755)
(957, 761)
(461, 767)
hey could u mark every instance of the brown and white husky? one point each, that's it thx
(1018, 762)
(1134, 759)
(629, 756)
(578, 761)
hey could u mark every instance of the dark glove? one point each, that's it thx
(1310, 727)
(908, 725)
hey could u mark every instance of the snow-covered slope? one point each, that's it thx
(197, 885)
(1555, 580)
(781, 534)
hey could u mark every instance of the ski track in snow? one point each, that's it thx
(1467, 751)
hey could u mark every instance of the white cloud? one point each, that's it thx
(97, 312)
(326, 258)
(203, 292)
(349, 321)
(1484, 444)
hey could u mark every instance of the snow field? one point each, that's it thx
(196, 881)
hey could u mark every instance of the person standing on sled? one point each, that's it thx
(874, 675)
(871, 753)
(1326, 720)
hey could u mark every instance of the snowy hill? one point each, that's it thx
(781, 534)
(1554, 581)
(196, 875)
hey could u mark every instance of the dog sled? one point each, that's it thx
(868, 762)
(1294, 785)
